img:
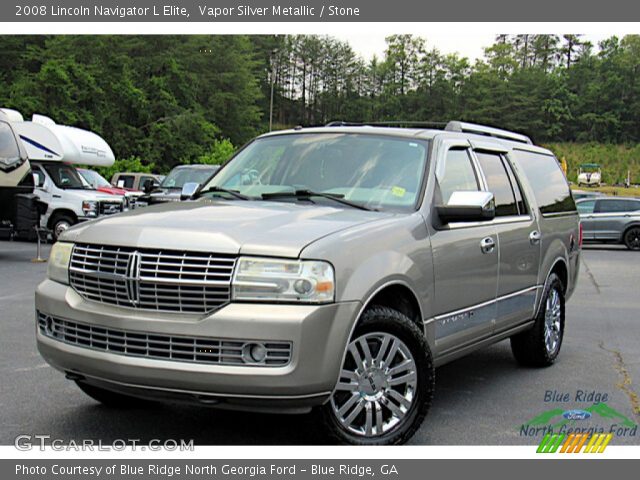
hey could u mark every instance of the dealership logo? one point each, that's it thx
(574, 443)
(576, 415)
(555, 425)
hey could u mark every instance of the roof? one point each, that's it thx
(417, 131)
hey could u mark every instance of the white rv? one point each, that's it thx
(53, 150)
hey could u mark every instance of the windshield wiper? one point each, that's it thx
(234, 193)
(309, 193)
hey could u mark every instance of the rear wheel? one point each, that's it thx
(632, 238)
(540, 346)
(386, 382)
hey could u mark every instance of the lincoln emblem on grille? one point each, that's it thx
(133, 278)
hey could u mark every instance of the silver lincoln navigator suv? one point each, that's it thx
(332, 267)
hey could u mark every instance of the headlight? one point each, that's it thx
(90, 208)
(265, 279)
(59, 258)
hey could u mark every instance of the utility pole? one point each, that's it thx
(273, 81)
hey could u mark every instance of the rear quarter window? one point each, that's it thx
(548, 182)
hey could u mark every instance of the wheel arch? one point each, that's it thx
(561, 269)
(383, 291)
(635, 224)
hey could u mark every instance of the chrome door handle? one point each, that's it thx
(487, 245)
(534, 237)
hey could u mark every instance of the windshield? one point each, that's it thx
(8, 147)
(374, 171)
(179, 176)
(94, 178)
(65, 176)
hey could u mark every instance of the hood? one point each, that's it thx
(245, 227)
(71, 193)
(165, 195)
(112, 190)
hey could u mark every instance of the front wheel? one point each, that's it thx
(60, 224)
(540, 346)
(386, 382)
(632, 238)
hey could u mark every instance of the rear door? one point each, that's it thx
(610, 217)
(518, 238)
(465, 270)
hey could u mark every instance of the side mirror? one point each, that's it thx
(188, 190)
(468, 207)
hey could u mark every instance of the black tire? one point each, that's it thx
(632, 238)
(530, 347)
(58, 221)
(383, 320)
(109, 398)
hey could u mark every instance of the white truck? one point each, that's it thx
(53, 150)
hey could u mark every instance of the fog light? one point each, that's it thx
(258, 352)
(254, 353)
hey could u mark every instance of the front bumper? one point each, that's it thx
(318, 335)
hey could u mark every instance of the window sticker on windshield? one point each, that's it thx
(398, 191)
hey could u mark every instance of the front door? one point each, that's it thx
(587, 219)
(465, 259)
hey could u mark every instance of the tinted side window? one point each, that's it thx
(586, 206)
(457, 175)
(125, 181)
(143, 180)
(498, 183)
(633, 205)
(517, 189)
(614, 206)
(549, 184)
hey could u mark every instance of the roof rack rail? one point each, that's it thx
(394, 123)
(456, 126)
(451, 126)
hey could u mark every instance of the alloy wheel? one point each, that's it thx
(552, 321)
(377, 385)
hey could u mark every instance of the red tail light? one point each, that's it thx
(580, 236)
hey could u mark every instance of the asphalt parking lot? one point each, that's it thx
(483, 399)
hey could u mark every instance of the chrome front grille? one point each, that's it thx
(163, 347)
(107, 207)
(149, 279)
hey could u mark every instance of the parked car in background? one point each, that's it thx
(170, 189)
(589, 174)
(135, 181)
(330, 267)
(611, 219)
(580, 194)
(99, 183)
